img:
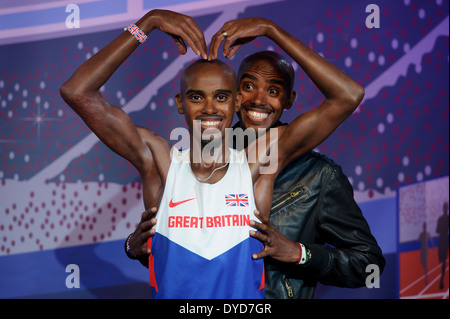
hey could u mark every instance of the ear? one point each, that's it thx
(238, 102)
(179, 101)
(290, 100)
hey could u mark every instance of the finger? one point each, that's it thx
(181, 45)
(202, 45)
(203, 49)
(234, 34)
(212, 48)
(145, 250)
(260, 255)
(229, 40)
(258, 226)
(149, 213)
(216, 40)
(262, 217)
(181, 39)
(255, 224)
(232, 50)
(195, 38)
(147, 225)
(227, 43)
(146, 235)
(261, 237)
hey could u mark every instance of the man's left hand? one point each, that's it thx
(276, 245)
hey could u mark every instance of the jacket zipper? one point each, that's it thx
(289, 288)
(289, 197)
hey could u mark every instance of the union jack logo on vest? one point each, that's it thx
(236, 200)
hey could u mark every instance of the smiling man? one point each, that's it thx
(270, 78)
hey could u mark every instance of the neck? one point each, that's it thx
(209, 153)
(209, 161)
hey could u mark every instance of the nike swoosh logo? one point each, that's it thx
(173, 204)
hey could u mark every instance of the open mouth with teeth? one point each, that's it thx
(257, 116)
(210, 124)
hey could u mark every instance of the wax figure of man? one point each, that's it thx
(313, 201)
(208, 96)
(196, 242)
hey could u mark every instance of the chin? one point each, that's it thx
(266, 123)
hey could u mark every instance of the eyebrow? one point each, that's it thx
(279, 82)
(201, 92)
(223, 91)
(254, 78)
(249, 76)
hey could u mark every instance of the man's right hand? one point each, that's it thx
(144, 230)
(181, 28)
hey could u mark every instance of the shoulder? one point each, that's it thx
(159, 148)
(150, 137)
(311, 169)
(312, 161)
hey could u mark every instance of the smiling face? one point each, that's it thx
(265, 82)
(208, 95)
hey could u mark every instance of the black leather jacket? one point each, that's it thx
(313, 204)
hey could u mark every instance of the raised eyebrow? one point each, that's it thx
(249, 76)
(278, 82)
(254, 78)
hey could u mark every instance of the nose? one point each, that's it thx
(259, 97)
(209, 107)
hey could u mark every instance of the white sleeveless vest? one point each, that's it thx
(202, 248)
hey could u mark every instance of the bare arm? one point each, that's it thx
(342, 97)
(342, 94)
(107, 121)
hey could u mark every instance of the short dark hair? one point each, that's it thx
(283, 66)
